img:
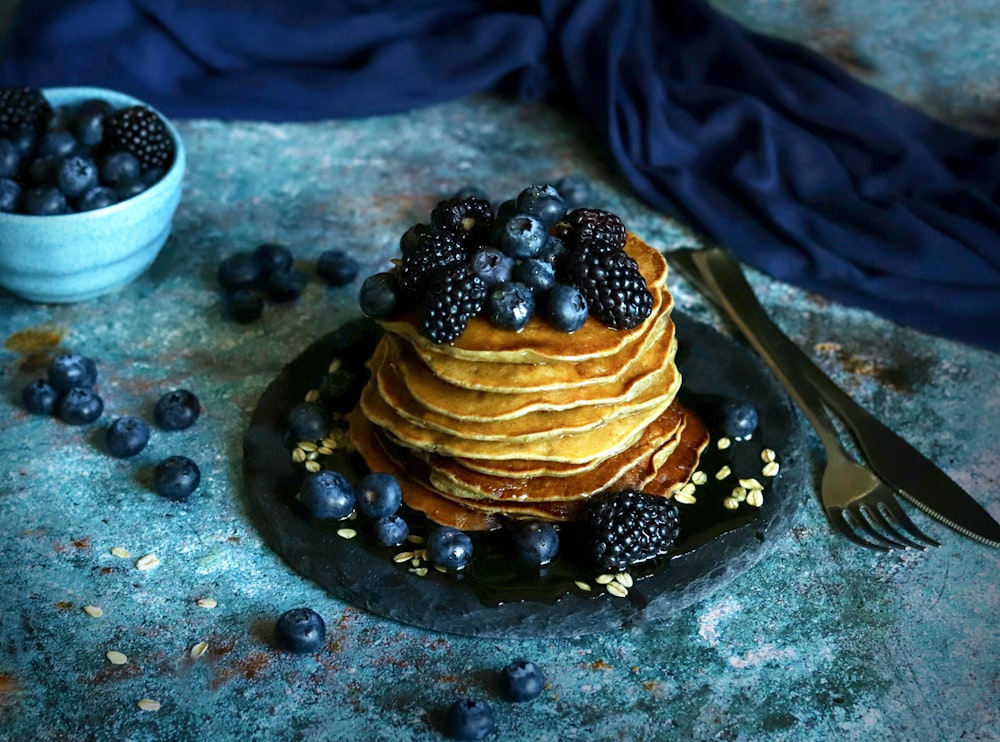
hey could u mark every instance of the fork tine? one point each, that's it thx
(838, 518)
(894, 509)
(875, 514)
(858, 520)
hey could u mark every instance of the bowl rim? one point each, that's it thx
(119, 99)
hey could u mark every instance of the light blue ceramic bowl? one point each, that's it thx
(74, 257)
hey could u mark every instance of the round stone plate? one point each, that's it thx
(496, 596)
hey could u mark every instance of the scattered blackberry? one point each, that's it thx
(433, 250)
(629, 527)
(471, 219)
(583, 226)
(610, 281)
(139, 130)
(22, 108)
(454, 294)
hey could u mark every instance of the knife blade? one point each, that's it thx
(897, 462)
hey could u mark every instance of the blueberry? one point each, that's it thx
(40, 397)
(566, 307)
(553, 250)
(522, 236)
(118, 167)
(739, 419)
(521, 680)
(71, 370)
(505, 212)
(126, 436)
(177, 410)
(538, 275)
(99, 197)
(449, 548)
(543, 202)
(469, 719)
(492, 265)
(45, 200)
(379, 296)
(536, 542)
(379, 495)
(286, 285)
(42, 170)
(307, 421)
(152, 176)
(245, 305)
(130, 187)
(25, 139)
(176, 477)
(510, 305)
(300, 631)
(391, 530)
(88, 121)
(327, 495)
(57, 143)
(80, 405)
(10, 195)
(575, 190)
(411, 237)
(238, 270)
(76, 175)
(10, 159)
(470, 191)
(273, 257)
(337, 268)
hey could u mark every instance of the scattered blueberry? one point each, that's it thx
(40, 397)
(449, 548)
(510, 305)
(739, 419)
(327, 495)
(76, 175)
(379, 296)
(238, 270)
(538, 275)
(117, 167)
(300, 631)
(176, 477)
(71, 370)
(126, 436)
(98, 197)
(469, 719)
(45, 200)
(521, 680)
(286, 285)
(492, 265)
(245, 305)
(337, 268)
(307, 421)
(379, 495)
(543, 202)
(80, 406)
(391, 530)
(176, 410)
(523, 236)
(575, 190)
(566, 307)
(536, 542)
(274, 257)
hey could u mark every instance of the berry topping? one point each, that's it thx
(566, 307)
(433, 250)
(139, 130)
(379, 495)
(379, 296)
(739, 419)
(176, 477)
(591, 225)
(521, 680)
(522, 236)
(543, 202)
(610, 281)
(536, 542)
(126, 436)
(470, 219)
(454, 295)
(538, 275)
(575, 189)
(491, 265)
(510, 305)
(327, 495)
(300, 631)
(628, 527)
(469, 719)
(22, 108)
(449, 548)
(177, 410)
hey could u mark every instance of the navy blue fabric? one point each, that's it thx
(798, 168)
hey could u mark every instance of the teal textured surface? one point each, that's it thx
(819, 640)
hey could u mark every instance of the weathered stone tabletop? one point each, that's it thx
(820, 640)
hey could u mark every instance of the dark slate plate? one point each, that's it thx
(495, 596)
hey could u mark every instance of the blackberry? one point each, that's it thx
(454, 294)
(582, 226)
(139, 130)
(22, 108)
(434, 249)
(628, 527)
(470, 219)
(610, 281)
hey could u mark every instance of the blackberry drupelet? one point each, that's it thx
(629, 527)
(454, 295)
(583, 226)
(22, 108)
(139, 130)
(470, 219)
(433, 250)
(610, 281)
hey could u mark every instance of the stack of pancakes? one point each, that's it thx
(530, 424)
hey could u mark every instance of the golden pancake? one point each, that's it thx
(539, 341)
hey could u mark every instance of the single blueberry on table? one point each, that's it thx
(245, 305)
(126, 436)
(300, 631)
(449, 547)
(286, 285)
(176, 477)
(238, 270)
(469, 719)
(177, 410)
(327, 495)
(72, 370)
(510, 306)
(391, 530)
(566, 307)
(492, 265)
(536, 542)
(273, 257)
(337, 268)
(379, 495)
(40, 397)
(379, 296)
(521, 680)
(80, 406)
(739, 419)
(307, 421)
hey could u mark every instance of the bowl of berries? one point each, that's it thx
(89, 182)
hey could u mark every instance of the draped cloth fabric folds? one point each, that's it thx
(801, 170)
